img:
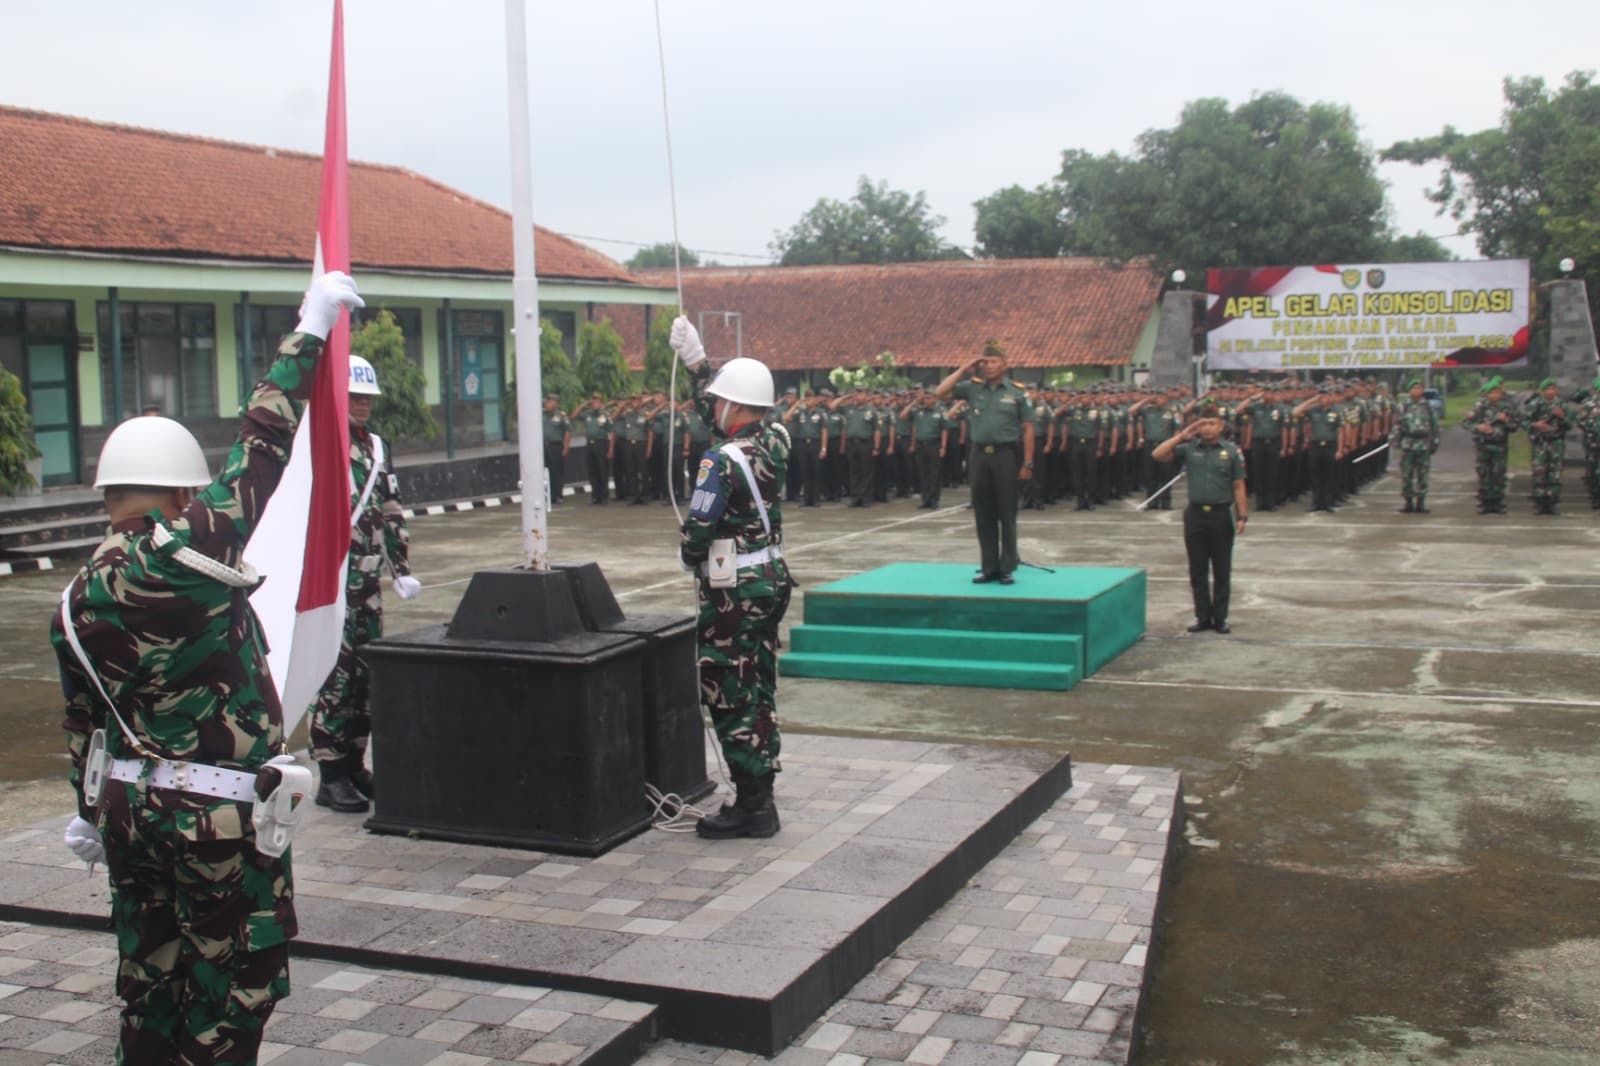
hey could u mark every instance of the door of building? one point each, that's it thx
(50, 402)
(494, 428)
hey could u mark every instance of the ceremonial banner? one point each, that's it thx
(302, 544)
(1368, 316)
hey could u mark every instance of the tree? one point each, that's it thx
(1272, 181)
(555, 373)
(877, 225)
(660, 255)
(1527, 187)
(659, 356)
(401, 411)
(602, 367)
(1018, 223)
(16, 437)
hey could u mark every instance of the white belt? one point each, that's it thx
(198, 778)
(755, 558)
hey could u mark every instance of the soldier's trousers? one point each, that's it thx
(627, 469)
(738, 658)
(1414, 464)
(1491, 474)
(1081, 458)
(599, 471)
(1547, 459)
(994, 505)
(1264, 462)
(1208, 542)
(1156, 475)
(1591, 468)
(341, 719)
(930, 471)
(555, 465)
(203, 923)
(1323, 471)
(861, 460)
(809, 467)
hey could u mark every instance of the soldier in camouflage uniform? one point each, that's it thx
(1548, 421)
(738, 494)
(1416, 436)
(162, 617)
(1491, 421)
(1589, 426)
(341, 717)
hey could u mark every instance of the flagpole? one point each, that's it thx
(525, 297)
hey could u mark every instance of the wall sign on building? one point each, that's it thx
(1368, 316)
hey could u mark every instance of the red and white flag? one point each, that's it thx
(302, 543)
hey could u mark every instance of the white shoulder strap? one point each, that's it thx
(734, 452)
(372, 479)
(71, 633)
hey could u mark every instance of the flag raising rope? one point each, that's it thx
(303, 541)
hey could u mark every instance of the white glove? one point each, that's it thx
(407, 587)
(83, 840)
(685, 340)
(330, 294)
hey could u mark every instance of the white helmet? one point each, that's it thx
(363, 379)
(746, 381)
(151, 450)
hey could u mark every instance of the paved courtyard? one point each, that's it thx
(1388, 769)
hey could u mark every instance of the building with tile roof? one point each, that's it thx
(1049, 314)
(203, 247)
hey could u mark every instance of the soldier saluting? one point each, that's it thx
(163, 666)
(1001, 421)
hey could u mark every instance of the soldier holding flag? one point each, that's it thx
(164, 670)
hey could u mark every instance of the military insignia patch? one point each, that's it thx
(1350, 278)
(1376, 278)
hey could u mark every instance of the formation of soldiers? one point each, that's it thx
(1314, 442)
(1094, 444)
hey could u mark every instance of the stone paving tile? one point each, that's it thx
(334, 1015)
(1038, 961)
(978, 986)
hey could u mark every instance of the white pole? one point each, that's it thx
(525, 298)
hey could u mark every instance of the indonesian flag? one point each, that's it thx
(302, 543)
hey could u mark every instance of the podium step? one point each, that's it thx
(917, 643)
(923, 670)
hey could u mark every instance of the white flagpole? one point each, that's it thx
(525, 298)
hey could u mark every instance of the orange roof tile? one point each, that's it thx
(1045, 312)
(75, 185)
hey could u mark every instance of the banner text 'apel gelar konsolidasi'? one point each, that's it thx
(1368, 316)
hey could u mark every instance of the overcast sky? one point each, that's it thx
(774, 105)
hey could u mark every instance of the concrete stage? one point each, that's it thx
(820, 936)
(928, 624)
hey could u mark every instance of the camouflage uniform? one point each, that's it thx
(1502, 421)
(203, 920)
(738, 637)
(341, 719)
(1548, 448)
(1416, 435)
(1589, 426)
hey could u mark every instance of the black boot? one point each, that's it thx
(359, 775)
(336, 791)
(1407, 509)
(751, 814)
(1422, 505)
